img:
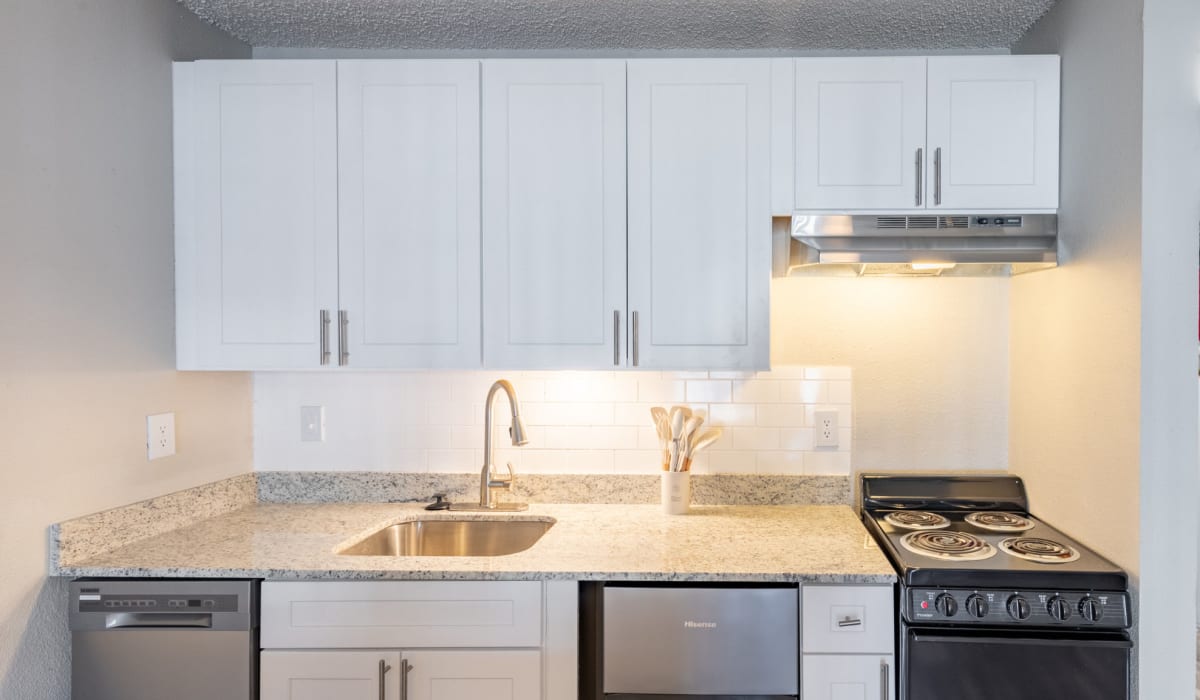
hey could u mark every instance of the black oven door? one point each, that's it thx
(999, 665)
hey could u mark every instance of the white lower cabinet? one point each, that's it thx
(381, 675)
(848, 638)
(329, 675)
(474, 675)
(847, 677)
(419, 640)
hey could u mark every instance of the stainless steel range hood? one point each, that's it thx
(943, 244)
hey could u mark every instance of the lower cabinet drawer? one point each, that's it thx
(848, 677)
(400, 675)
(395, 614)
(848, 619)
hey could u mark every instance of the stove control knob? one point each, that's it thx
(1018, 607)
(977, 606)
(1090, 609)
(946, 605)
(1059, 609)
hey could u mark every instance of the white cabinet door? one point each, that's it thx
(699, 213)
(553, 212)
(860, 125)
(408, 150)
(474, 675)
(848, 677)
(329, 675)
(256, 212)
(993, 124)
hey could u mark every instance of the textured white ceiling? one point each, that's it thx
(801, 25)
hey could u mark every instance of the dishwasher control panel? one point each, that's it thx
(95, 600)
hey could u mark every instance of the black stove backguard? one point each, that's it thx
(945, 493)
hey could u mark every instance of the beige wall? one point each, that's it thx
(86, 342)
(930, 362)
(1103, 410)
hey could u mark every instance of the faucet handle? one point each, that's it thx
(498, 482)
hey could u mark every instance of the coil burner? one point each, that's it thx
(949, 546)
(999, 522)
(1040, 550)
(916, 520)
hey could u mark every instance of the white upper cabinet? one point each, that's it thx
(896, 133)
(255, 212)
(408, 150)
(699, 213)
(859, 131)
(994, 132)
(553, 213)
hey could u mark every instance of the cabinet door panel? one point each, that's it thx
(329, 675)
(699, 212)
(995, 120)
(474, 675)
(859, 125)
(256, 222)
(847, 677)
(554, 212)
(409, 212)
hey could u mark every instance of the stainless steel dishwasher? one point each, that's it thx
(150, 640)
(646, 640)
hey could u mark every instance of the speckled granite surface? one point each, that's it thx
(807, 543)
(711, 489)
(90, 535)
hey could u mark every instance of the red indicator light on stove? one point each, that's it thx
(924, 604)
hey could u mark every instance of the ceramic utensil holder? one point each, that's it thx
(676, 492)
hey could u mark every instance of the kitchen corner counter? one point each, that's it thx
(804, 543)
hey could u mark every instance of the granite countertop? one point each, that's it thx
(808, 543)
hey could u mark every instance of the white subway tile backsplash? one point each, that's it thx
(655, 390)
(756, 391)
(782, 415)
(712, 391)
(578, 422)
(733, 414)
(752, 438)
(826, 463)
(803, 391)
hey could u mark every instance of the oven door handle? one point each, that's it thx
(1114, 642)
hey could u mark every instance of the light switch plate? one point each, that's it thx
(312, 424)
(160, 435)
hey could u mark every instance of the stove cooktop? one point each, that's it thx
(989, 552)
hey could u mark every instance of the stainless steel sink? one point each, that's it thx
(451, 538)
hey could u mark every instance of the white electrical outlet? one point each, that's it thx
(825, 429)
(160, 435)
(312, 424)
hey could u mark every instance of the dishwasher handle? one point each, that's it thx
(134, 620)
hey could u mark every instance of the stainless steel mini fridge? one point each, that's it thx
(706, 641)
(156, 640)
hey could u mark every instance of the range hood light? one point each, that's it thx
(933, 266)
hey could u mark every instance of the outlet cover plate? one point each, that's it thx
(312, 424)
(160, 435)
(825, 429)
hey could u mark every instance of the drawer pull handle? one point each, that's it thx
(885, 677)
(850, 622)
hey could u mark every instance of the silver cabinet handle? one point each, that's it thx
(849, 622)
(920, 174)
(383, 670)
(616, 338)
(405, 667)
(937, 177)
(324, 324)
(634, 337)
(884, 680)
(343, 338)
